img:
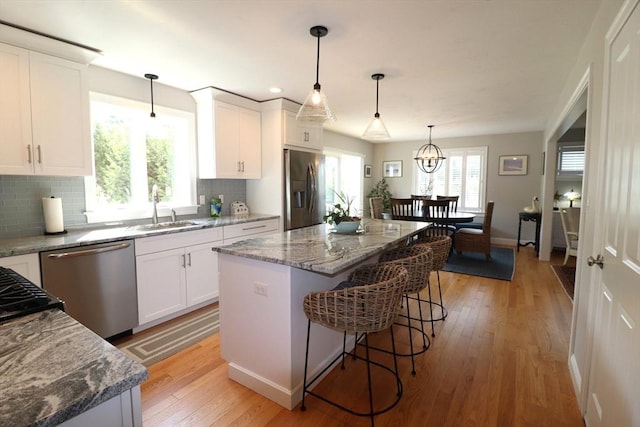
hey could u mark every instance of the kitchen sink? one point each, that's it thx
(164, 225)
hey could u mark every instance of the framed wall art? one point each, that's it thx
(513, 165)
(392, 169)
(367, 171)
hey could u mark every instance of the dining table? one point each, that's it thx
(452, 218)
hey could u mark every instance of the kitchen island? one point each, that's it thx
(263, 282)
(54, 371)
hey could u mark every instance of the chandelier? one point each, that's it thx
(429, 157)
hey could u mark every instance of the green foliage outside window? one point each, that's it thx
(113, 163)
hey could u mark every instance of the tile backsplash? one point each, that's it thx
(21, 204)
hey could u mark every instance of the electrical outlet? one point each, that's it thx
(221, 197)
(260, 288)
(201, 199)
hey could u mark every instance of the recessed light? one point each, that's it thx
(275, 89)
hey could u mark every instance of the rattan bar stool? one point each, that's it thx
(441, 246)
(418, 260)
(369, 303)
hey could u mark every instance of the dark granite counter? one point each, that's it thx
(52, 368)
(87, 236)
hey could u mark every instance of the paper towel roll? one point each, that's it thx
(53, 221)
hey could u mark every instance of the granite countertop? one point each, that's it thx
(82, 236)
(52, 368)
(319, 249)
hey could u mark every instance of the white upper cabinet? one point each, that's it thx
(229, 139)
(44, 115)
(301, 134)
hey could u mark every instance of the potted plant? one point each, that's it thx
(340, 215)
(381, 189)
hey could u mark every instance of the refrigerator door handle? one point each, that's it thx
(312, 176)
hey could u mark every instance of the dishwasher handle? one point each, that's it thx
(88, 252)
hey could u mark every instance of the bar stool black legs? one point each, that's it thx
(372, 411)
(441, 246)
(370, 303)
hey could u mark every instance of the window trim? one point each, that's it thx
(568, 147)
(95, 213)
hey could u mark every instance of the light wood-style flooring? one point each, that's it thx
(500, 359)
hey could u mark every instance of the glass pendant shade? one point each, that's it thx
(316, 107)
(376, 129)
(429, 157)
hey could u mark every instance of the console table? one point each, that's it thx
(534, 217)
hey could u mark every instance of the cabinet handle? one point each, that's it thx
(184, 265)
(39, 154)
(189, 258)
(239, 166)
(242, 167)
(29, 153)
(253, 228)
(306, 137)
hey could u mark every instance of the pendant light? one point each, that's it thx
(315, 107)
(151, 78)
(376, 129)
(429, 157)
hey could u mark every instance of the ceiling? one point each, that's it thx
(470, 67)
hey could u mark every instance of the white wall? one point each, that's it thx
(510, 193)
(591, 56)
(115, 83)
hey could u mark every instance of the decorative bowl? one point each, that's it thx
(347, 227)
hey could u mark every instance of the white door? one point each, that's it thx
(614, 387)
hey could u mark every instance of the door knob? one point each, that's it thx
(599, 261)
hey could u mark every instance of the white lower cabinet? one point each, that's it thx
(176, 271)
(25, 265)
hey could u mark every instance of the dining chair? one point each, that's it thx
(369, 301)
(453, 202)
(570, 219)
(474, 240)
(437, 211)
(376, 207)
(405, 209)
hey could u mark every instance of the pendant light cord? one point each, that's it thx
(377, 90)
(318, 62)
(153, 114)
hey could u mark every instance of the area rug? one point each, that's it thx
(166, 341)
(566, 276)
(500, 266)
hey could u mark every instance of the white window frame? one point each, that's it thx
(99, 213)
(358, 200)
(464, 152)
(570, 149)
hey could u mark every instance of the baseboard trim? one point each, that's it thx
(287, 398)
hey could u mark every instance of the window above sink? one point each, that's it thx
(132, 152)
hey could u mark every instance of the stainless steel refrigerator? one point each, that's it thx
(304, 201)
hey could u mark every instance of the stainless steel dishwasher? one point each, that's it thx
(97, 284)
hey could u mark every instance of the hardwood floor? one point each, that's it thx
(500, 359)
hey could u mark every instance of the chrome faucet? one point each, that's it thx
(155, 199)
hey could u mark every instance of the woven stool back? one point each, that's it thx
(417, 259)
(441, 246)
(372, 305)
